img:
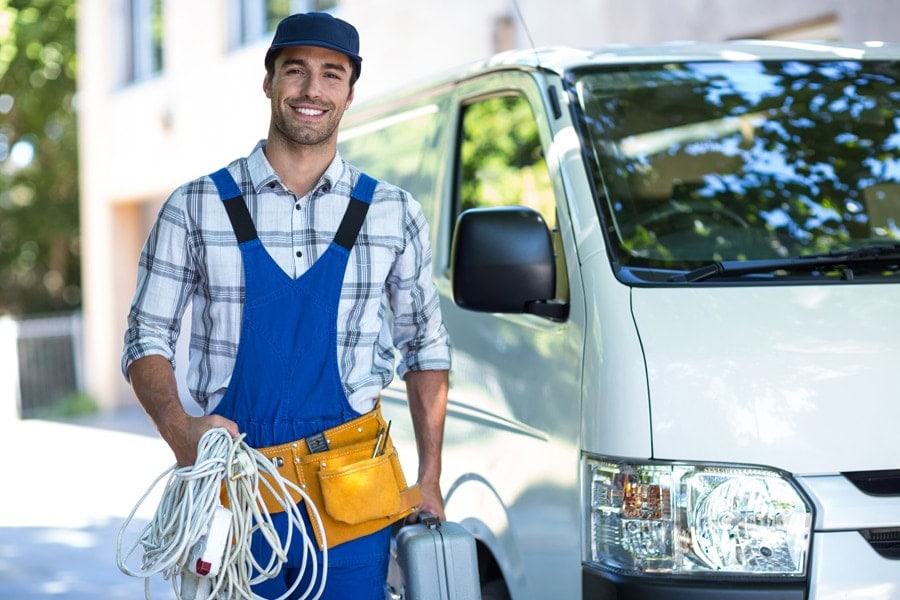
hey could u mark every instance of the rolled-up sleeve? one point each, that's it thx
(165, 282)
(418, 327)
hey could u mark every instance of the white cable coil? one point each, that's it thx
(185, 514)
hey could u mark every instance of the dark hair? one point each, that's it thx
(355, 67)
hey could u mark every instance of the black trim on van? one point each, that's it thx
(603, 585)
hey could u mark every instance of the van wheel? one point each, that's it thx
(495, 590)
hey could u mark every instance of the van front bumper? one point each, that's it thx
(603, 585)
(844, 565)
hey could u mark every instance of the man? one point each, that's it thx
(289, 330)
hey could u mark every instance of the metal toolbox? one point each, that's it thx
(432, 560)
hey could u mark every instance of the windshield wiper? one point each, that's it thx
(877, 251)
(872, 255)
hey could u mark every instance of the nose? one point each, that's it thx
(311, 87)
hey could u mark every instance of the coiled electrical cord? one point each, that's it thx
(185, 511)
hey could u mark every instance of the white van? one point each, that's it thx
(671, 278)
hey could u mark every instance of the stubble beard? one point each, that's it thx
(305, 135)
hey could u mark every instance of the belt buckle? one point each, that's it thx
(317, 443)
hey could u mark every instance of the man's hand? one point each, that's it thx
(183, 440)
(432, 502)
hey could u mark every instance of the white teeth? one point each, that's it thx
(309, 111)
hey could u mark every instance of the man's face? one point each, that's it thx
(309, 91)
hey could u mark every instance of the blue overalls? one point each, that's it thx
(286, 382)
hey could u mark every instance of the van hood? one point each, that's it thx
(802, 378)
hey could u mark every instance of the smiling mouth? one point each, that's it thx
(309, 112)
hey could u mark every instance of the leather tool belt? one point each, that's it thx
(351, 473)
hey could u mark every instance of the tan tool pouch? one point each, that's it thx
(357, 485)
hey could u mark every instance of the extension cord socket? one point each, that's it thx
(194, 587)
(208, 553)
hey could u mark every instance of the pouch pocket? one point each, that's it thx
(361, 491)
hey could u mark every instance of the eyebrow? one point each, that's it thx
(303, 63)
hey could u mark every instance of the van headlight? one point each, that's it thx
(695, 519)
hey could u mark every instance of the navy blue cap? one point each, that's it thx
(316, 29)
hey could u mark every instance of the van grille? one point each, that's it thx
(885, 542)
(876, 483)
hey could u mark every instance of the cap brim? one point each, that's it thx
(318, 43)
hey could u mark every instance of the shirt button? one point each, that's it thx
(297, 206)
(299, 253)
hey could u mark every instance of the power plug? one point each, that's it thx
(207, 554)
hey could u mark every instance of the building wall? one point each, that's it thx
(589, 22)
(139, 142)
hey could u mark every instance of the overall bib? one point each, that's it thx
(286, 382)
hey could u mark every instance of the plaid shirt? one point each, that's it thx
(191, 256)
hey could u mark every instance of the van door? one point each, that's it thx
(511, 450)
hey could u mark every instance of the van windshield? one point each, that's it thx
(697, 164)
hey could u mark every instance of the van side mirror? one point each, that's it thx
(502, 261)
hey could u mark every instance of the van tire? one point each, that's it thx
(495, 590)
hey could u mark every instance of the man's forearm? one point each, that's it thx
(153, 381)
(427, 393)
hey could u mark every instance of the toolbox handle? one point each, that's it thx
(430, 520)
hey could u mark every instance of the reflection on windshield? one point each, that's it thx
(704, 162)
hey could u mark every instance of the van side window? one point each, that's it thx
(396, 149)
(502, 163)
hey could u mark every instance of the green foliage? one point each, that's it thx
(502, 157)
(76, 404)
(39, 249)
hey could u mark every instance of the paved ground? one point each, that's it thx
(66, 490)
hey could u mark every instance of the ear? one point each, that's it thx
(267, 85)
(350, 98)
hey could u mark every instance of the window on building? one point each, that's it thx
(252, 20)
(142, 39)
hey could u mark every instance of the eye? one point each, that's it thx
(293, 69)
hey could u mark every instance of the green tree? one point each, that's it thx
(39, 248)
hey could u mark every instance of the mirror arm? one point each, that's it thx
(550, 309)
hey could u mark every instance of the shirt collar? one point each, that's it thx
(262, 174)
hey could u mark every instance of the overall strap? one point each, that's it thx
(244, 230)
(231, 197)
(360, 199)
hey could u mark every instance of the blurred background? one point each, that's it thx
(107, 105)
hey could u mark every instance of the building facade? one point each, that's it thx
(170, 90)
